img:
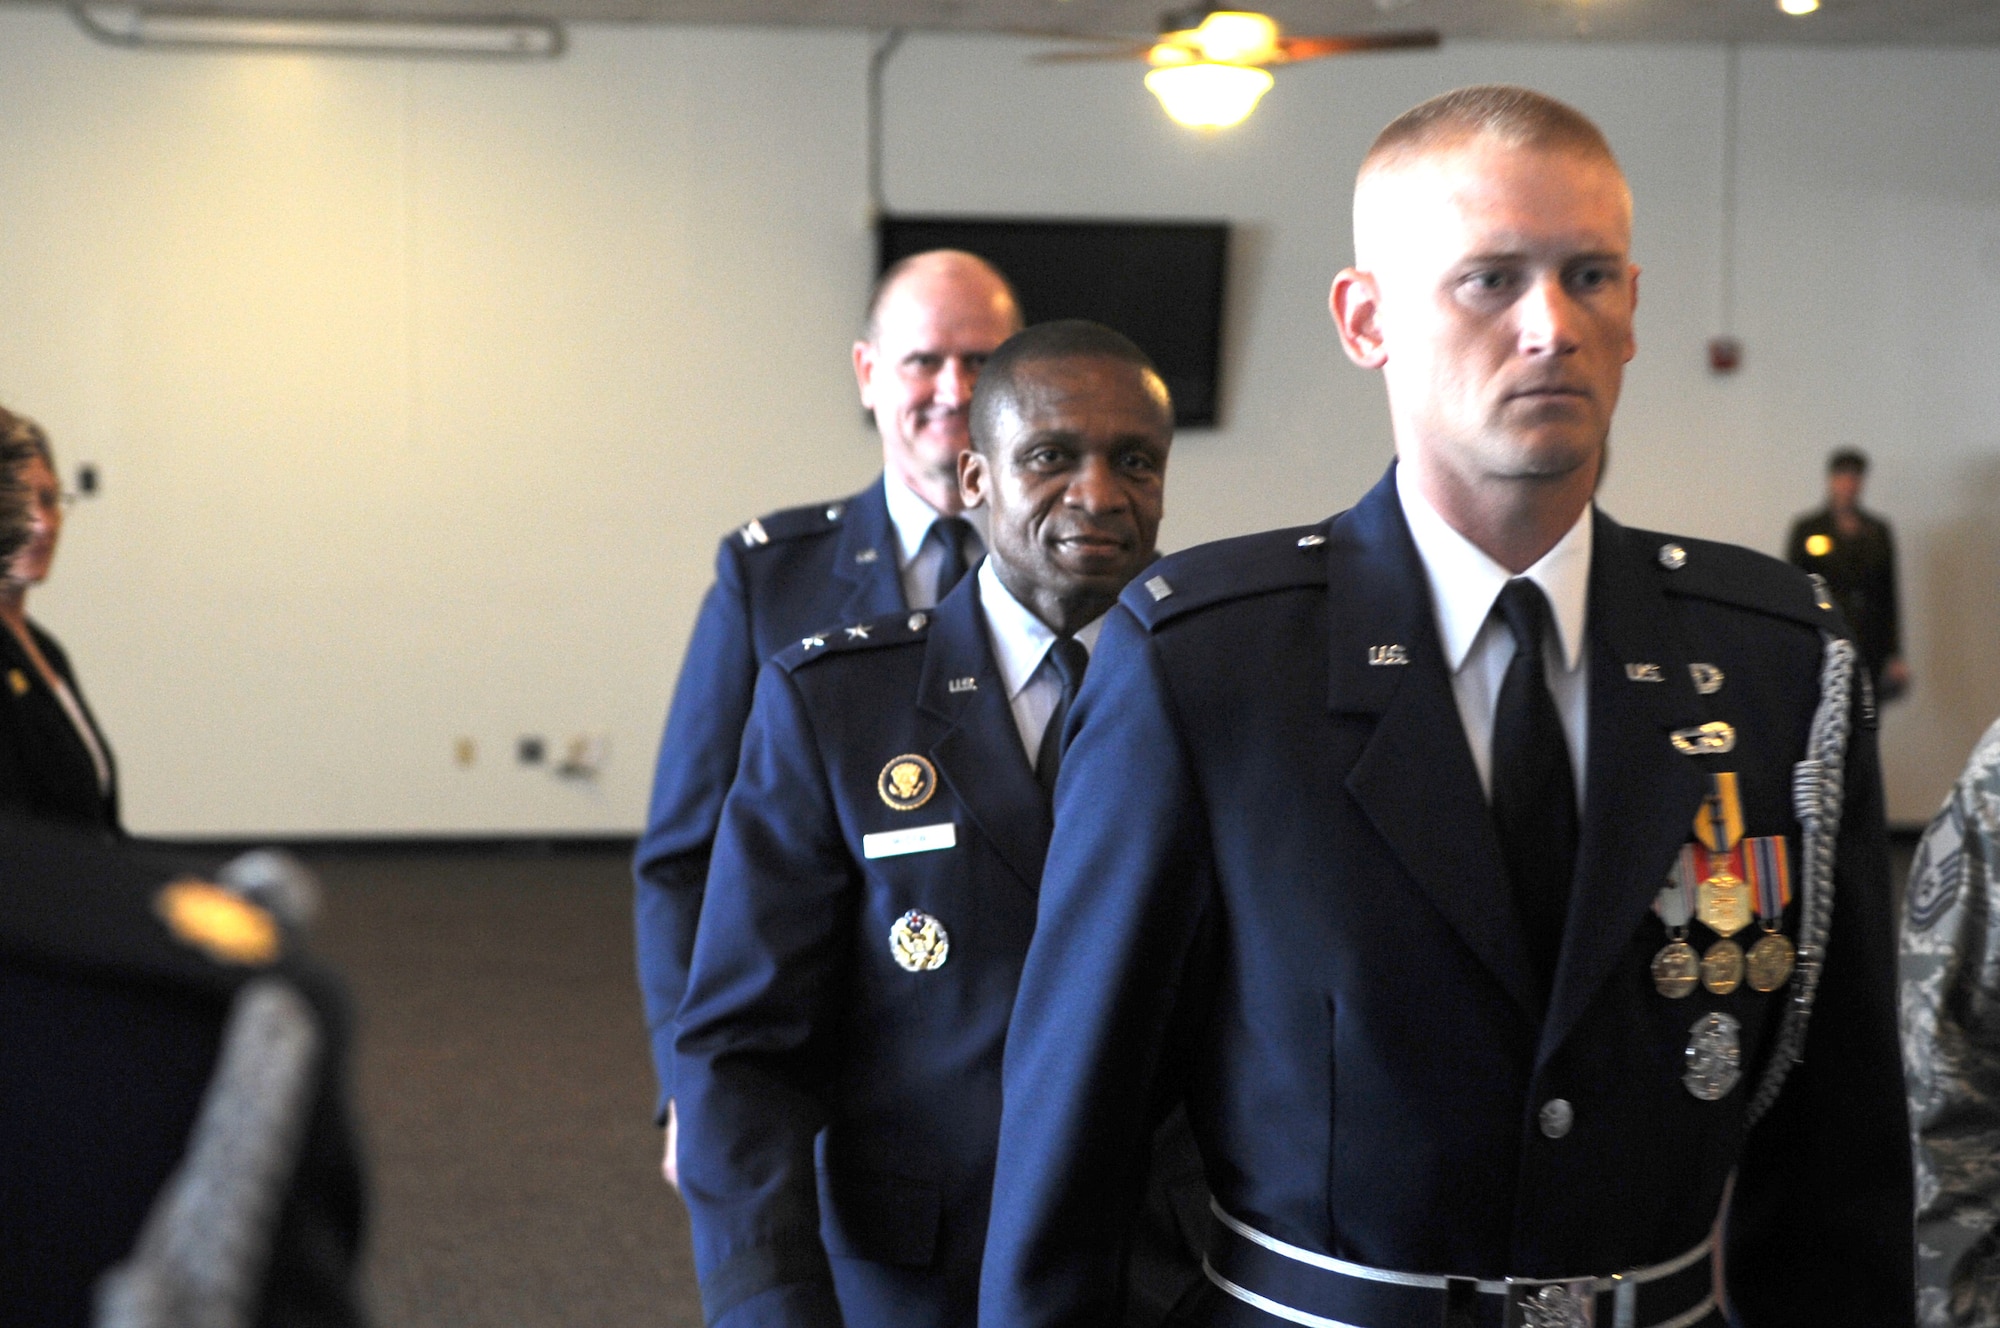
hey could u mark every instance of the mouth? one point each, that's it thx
(1092, 546)
(1544, 393)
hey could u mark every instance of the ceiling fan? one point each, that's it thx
(1210, 65)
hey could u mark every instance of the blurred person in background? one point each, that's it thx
(1855, 553)
(55, 763)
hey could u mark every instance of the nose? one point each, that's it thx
(955, 381)
(1095, 487)
(1547, 315)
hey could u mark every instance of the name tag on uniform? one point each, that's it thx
(917, 839)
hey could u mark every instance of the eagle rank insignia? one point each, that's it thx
(919, 942)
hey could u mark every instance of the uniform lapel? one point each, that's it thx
(865, 558)
(1640, 794)
(979, 750)
(1415, 775)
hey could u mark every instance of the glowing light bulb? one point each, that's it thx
(1227, 37)
(1208, 95)
(1798, 7)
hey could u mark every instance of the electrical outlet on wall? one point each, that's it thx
(583, 755)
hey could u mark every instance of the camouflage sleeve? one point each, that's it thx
(1951, 1047)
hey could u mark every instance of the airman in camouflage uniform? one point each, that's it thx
(1951, 1047)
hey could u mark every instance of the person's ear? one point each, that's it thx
(1355, 303)
(973, 477)
(864, 372)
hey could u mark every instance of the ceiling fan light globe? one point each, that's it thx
(1170, 52)
(1208, 95)
(1233, 37)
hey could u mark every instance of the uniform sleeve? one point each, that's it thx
(697, 761)
(1951, 1048)
(1122, 901)
(757, 1045)
(1819, 1229)
(1892, 609)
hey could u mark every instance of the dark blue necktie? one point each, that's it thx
(1070, 659)
(950, 533)
(1534, 789)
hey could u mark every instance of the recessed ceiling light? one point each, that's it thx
(1798, 7)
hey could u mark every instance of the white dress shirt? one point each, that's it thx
(1478, 647)
(1021, 644)
(917, 555)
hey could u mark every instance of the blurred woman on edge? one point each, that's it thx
(54, 761)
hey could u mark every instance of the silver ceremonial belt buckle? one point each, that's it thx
(1536, 1304)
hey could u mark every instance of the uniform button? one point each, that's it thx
(1556, 1117)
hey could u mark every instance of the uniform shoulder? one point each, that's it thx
(1227, 570)
(1731, 574)
(68, 903)
(887, 632)
(789, 524)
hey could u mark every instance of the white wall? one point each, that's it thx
(422, 390)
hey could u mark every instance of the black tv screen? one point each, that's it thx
(1158, 282)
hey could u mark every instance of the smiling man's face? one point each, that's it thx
(1074, 479)
(1503, 295)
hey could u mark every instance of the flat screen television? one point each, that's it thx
(1159, 282)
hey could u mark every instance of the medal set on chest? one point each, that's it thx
(1722, 881)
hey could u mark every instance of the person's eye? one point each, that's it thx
(1594, 277)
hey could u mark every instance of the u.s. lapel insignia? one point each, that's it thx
(866, 556)
(1386, 655)
(919, 942)
(1707, 678)
(907, 782)
(17, 682)
(1711, 739)
(969, 683)
(1644, 673)
(226, 927)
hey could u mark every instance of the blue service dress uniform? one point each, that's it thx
(1275, 880)
(841, 1039)
(118, 987)
(778, 578)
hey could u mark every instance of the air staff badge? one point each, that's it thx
(919, 942)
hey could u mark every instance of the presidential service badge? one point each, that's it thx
(224, 926)
(919, 942)
(907, 782)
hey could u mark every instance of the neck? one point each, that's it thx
(1512, 521)
(14, 606)
(1062, 614)
(939, 489)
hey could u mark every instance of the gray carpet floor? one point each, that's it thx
(505, 1093)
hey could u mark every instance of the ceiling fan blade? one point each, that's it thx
(1293, 49)
(1124, 51)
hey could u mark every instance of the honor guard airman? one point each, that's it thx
(1505, 889)
(174, 1140)
(893, 547)
(873, 888)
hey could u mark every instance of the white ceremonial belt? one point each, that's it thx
(1317, 1290)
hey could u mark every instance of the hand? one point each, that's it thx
(1895, 679)
(670, 1164)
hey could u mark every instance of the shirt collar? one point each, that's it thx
(912, 517)
(1020, 639)
(1464, 581)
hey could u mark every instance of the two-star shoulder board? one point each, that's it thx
(895, 629)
